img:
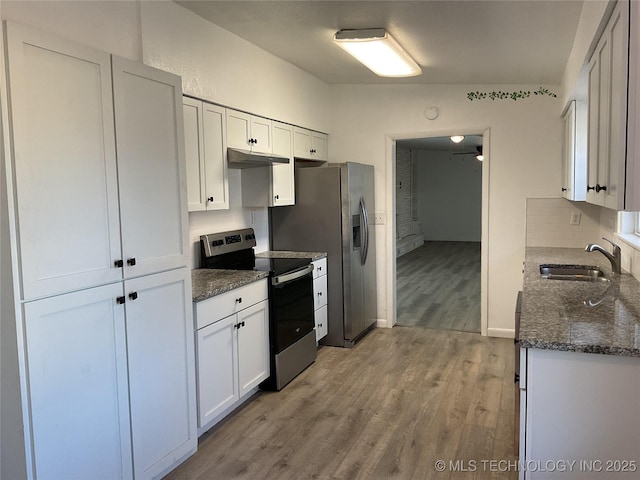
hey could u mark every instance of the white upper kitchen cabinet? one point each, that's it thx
(574, 168)
(273, 185)
(64, 163)
(78, 386)
(612, 152)
(83, 218)
(248, 132)
(151, 173)
(310, 145)
(160, 354)
(205, 149)
(282, 174)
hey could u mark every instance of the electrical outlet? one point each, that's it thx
(575, 218)
(379, 218)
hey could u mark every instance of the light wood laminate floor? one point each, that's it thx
(389, 408)
(438, 286)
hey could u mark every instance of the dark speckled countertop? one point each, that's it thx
(579, 316)
(207, 283)
(288, 254)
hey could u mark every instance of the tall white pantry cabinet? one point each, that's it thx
(97, 203)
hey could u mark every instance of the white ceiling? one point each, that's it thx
(455, 42)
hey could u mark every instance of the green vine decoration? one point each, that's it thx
(499, 95)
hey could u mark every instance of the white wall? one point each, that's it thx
(592, 19)
(449, 193)
(106, 25)
(523, 159)
(219, 66)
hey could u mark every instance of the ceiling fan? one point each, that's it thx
(476, 152)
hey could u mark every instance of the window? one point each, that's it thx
(636, 227)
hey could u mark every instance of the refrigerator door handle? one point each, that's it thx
(365, 222)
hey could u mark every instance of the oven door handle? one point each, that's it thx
(289, 277)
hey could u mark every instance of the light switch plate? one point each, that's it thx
(379, 218)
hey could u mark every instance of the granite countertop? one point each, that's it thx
(579, 316)
(207, 283)
(289, 254)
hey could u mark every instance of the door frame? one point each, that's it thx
(390, 256)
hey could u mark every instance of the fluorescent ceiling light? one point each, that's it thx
(378, 51)
(457, 138)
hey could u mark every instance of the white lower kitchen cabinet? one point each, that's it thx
(320, 295)
(75, 346)
(111, 380)
(160, 354)
(582, 408)
(232, 351)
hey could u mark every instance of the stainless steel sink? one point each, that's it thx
(585, 273)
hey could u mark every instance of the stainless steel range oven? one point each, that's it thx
(291, 312)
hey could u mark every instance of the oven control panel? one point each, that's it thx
(225, 242)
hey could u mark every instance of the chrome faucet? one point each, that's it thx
(614, 258)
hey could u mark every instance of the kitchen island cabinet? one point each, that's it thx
(232, 340)
(205, 152)
(99, 238)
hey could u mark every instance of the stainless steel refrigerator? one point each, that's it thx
(333, 214)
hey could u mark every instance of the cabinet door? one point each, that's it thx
(63, 162)
(568, 150)
(217, 369)
(215, 148)
(599, 85)
(617, 121)
(301, 142)
(319, 145)
(238, 129)
(261, 134)
(194, 154)
(75, 348)
(283, 181)
(253, 346)
(151, 167)
(322, 327)
(160, 352)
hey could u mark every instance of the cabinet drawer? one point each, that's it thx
(319, 292)
(322, 327)
(319, 267)
(228, 303)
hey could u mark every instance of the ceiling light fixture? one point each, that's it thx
(457, 138)
(378, 51)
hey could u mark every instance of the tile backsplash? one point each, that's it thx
(549, 223)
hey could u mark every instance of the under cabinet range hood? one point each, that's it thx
(237, 158)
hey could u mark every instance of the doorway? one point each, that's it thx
(438, 232)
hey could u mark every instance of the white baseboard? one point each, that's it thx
(501, 332)
(383, 323)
